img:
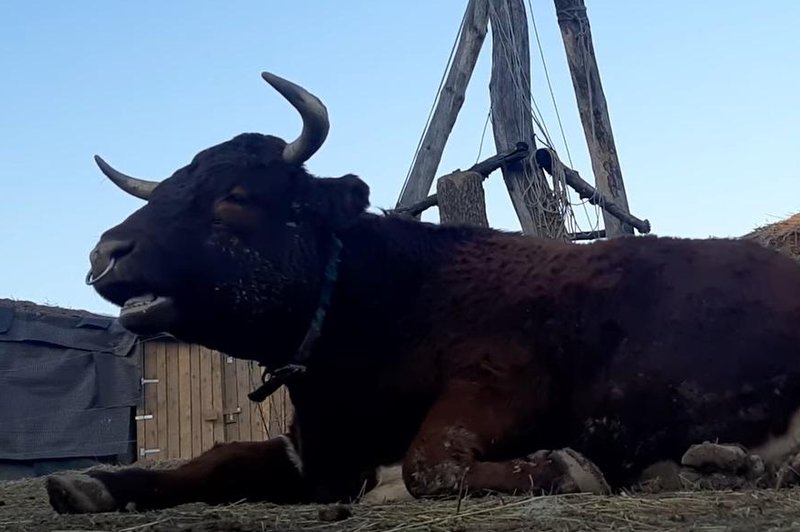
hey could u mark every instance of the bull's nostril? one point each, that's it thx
(119, 248)
(105, 256)
(111, 248)
(109, 267)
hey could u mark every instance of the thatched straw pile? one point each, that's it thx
(783, 236)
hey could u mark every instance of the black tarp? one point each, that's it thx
(69, 387)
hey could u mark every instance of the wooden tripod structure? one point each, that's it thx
(535, 203)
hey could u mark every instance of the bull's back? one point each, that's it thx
(709, 349)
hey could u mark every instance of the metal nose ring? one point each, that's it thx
(109, 267)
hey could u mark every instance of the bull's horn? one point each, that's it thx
(132, 185)
(315, 119)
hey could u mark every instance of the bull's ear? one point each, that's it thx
(339, 201)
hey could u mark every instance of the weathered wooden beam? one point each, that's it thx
(449, 104)
(418, 208)
(588, 235)
(550, 162)
(485, 167)
(461, 199)
(510, 91)
(577, 36)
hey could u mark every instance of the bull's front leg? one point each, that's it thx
(447, 456)
(254, 471)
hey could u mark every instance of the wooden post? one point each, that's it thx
(577, 37)
(510, 90)
(450, 101)
(461, 199)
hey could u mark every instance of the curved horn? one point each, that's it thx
(315, 119)
(132, 185)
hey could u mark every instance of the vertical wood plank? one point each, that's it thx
(231, 398)
(150, 399)
(277, 424)
(141, 408)
(286, 416)
(173, 402)
(206, 398)
(286, 411)
(262, 413)
(243, 387)
(197, 405)
(162, 420)
(259, 413)
(185, 402)
(218, 402)
(271, 414)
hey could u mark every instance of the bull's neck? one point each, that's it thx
(386, 265)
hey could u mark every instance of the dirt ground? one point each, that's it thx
(24, 507)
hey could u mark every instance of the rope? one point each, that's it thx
(254, 383)
(483, 136)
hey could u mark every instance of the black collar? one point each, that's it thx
(272, 380)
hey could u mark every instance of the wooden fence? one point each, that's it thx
(195, 397)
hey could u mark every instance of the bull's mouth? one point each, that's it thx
(148, 314)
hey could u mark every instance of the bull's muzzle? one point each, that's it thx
(104, 256)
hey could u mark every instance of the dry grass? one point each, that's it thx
(783, 236)
(25, 508)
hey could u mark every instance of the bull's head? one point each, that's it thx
(230, 250)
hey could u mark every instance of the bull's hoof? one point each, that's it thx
(390, 489)
(78, 494)
(579, 474)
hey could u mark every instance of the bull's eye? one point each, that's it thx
(235, 211)
(237, 196)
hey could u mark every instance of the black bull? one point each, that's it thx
(480, 360)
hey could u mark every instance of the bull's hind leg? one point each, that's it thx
(255, 471)
(445, 457)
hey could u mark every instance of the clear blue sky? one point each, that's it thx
(703, 99)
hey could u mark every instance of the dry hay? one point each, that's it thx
(24, 507)
(783, 236)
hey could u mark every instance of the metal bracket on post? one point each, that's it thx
(144, 452)
(229, 417)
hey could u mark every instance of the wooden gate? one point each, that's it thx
(194, 397)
